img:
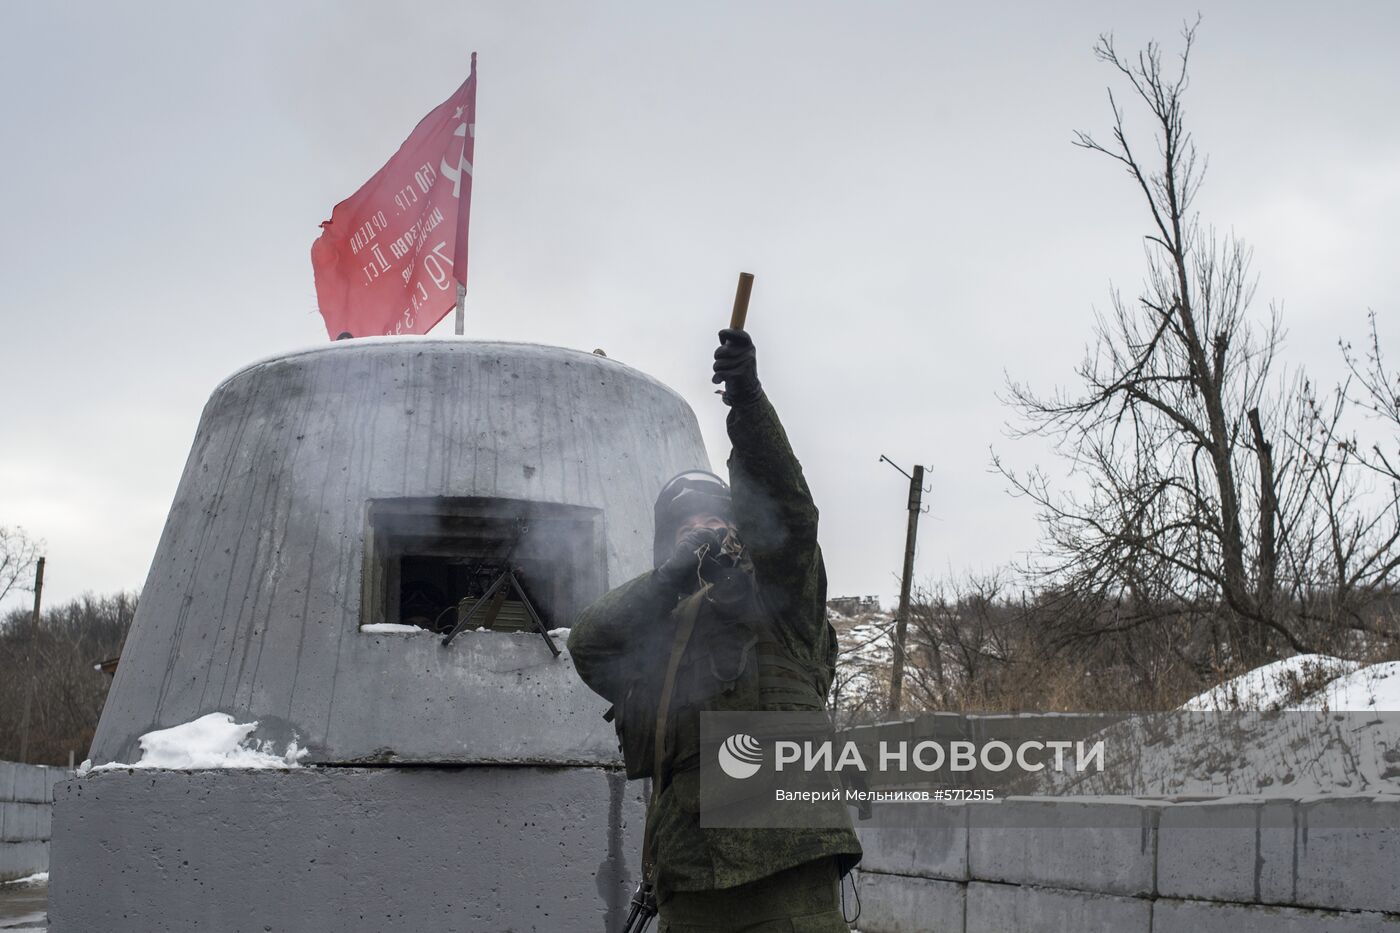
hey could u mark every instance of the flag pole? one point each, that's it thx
(461, 283)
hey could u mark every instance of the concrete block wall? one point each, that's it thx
(1310, 865)
(26, 817)
(479, 849)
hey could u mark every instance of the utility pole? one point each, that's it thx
(33, 643)
(901, 626)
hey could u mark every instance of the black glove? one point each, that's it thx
(680, 571)
(736, 365)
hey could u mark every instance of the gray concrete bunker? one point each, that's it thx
(340, 509)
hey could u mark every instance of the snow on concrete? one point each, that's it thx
(1274, 686)
(396, 628)
(211, 741)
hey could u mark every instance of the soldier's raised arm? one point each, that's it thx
(773, 508)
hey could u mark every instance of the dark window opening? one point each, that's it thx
(429, 561)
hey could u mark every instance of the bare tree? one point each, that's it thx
(1176, 428)
(18, 555)
(1338, 555)
(1364, 537)
(964, 638)
(59, 661)
(1375, 388)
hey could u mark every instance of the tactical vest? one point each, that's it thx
(734, 661)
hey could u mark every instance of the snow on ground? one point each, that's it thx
(1307, 682)
(211, 741)
(1363, 689)
(1305, 725)
(866, 644)
(24, 904)
(1273, 686)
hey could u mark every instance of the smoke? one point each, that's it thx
(451, 553)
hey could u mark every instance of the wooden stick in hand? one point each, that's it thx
(741, 301)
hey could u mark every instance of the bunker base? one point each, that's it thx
(472, 848)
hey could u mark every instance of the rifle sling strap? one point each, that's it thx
(688, 611)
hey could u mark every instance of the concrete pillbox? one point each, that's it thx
(473, 786)
(257, 592)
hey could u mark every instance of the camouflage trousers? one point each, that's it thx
(803, 899)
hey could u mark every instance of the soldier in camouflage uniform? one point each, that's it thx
(759, 640)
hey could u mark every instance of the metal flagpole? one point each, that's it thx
(461, 247)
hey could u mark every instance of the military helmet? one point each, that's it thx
(694, 492)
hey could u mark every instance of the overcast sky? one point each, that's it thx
(898, 175)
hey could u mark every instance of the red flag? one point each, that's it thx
(388, 259)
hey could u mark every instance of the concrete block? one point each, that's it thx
(7, 780)
(1208, 851)
(345, 850)
(21, 859)
(901, 904)
(31, 784)
(22, 822)
(1103, 846)
(28, 822)
(43, 828)
(1169, 916)
(1278, 832)
(1347, 853)
(1001, 908)
(928, 840)
(54, 776)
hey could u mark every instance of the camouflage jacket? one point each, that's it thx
(779, 653)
